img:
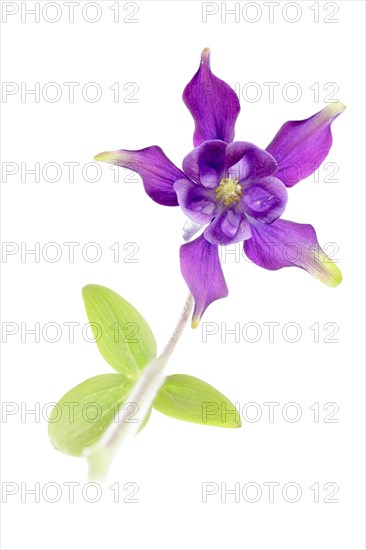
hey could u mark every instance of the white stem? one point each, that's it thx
(142, 396)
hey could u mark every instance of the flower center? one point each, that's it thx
(228, 191)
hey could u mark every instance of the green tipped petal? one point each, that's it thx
(112, 157)
(285, 244)
(323, 269)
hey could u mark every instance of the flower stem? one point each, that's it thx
(185, 315)
(142, 396)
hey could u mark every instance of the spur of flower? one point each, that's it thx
(234, 191)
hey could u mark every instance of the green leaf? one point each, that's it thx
(84, 413)
(193, 400)
(123, 336)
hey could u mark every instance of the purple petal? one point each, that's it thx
(195, 201)
(206, 163)
(201, 269)
(158, 173)
(285, 244)
(301, 146)
(265, 200)
(248, 162)
(229, 227)
(212, 103)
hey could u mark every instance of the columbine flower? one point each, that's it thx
(236, 191)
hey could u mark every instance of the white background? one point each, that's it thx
(171, 460)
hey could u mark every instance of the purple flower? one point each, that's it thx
(235, 191)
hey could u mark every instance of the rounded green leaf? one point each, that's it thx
(188, 398)
(123, 336)
(84, 413)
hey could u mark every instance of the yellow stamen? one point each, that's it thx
(228, 191)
